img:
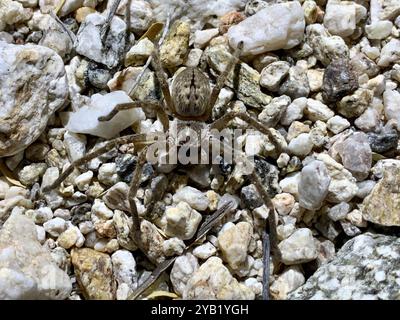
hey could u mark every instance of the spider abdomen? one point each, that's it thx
(191, 92)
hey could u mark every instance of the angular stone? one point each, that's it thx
(94, 274)
(89, 43)
(279, 26)
(213, 281)
(176, 45)
(27, 270)
(339, 80)
(365, 268)
(33, 87)
(354, 105)
(246, 82)
(382, 206)
(314, 185)
(356, 155)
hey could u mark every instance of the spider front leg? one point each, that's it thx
(134, 138)
(157, 105)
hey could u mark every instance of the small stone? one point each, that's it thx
(356, 155)
(31, 174)
(204, 251)
(94, 274)
(42, 215)
(383, 142)
(280, 26)
(195, 198)
(117, 197)
(379, 30)
(71, 237)
(315, 79)
(100, 210)
(389, 53)
(203, 37)
(290, 183)
(89, 43)
(82, 13)
(214, 281)
(339, 211)
(296, 85)
(316, 110)
(337, 124)
(250, 197)
(108, 174)
(193, 58)
(364, 188)
(273, 74)
(182, 221)
(55, 226)
(173, 247)
(183, 268)
(298, 248)
(343, 185)
(283, 203)
(356, 218)
(234, 243)
(83, 181)
(37, 152)
(102, 105)
(381, 206)
(138, 54)
(339, 80)
(175, 47)
(341, 17)
(290, 279)
(27, 270)
(301, 145)
(124, 270)
(314, 185)
(230, 19)
(294, 111)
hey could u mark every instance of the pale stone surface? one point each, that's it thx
(381, 206)
(214, 281)
(204, 251)
(182, 270)
(314, 185)
(300, 247)
(33, 87)
(89, 42)
(343, 186)
(27, 270)
(390, 53)
(316, 110)
(273, 74)
(195, 198)
(288, 281)
(301, 145)
(362, 269)
(234, 243)
(182, 221)
(279, 26)
(176, 45)
(337, 124)
(94, 273)
(102, 105)
(124, 271)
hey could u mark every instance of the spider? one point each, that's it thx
(190, 103)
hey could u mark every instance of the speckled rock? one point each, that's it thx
(27, 270)
(94, 274)
(33, 87)
(176, 45)
(213, 281)
(365, 268)
(382, 205)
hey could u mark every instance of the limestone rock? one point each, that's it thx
(279, 26)
(300, 247)
(33, 87)
(213, 281)
(182, 221)
(365, 268)
(176, 45)
(382, 205)
(273, 74)
(234, 243)
(27, 270)
(89, 42)
(102, 105)
(314, 185)
(94, 273)
(182, 270)
(248, 79)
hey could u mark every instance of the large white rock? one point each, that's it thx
(89, 42)
(27, 270)
(85, 120)
(33, 85)
(279, 26)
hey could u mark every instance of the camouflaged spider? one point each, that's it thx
(190, 102)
